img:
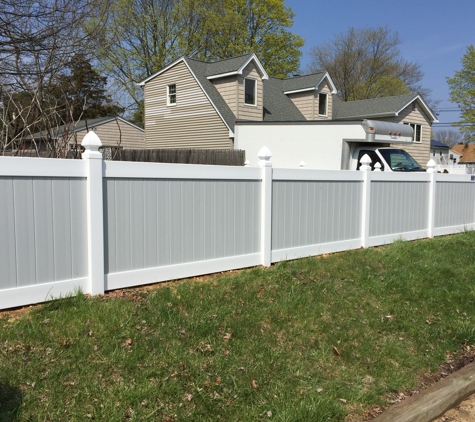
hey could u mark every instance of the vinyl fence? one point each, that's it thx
(101, 225)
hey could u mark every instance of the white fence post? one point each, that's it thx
(366, 202)
(266, 205)
(432, 172)
(95, 214)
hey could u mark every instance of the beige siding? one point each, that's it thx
(117, 133)
(420, 151)
(192, 123)
(307, 102)
(245, 111)
(228, 88)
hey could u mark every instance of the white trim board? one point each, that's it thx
(172, 272)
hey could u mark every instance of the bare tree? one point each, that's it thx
(37, 39)
(367, 63)
(449, 137)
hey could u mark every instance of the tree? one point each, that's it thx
(367, 63)
(462, 92)
(142, 36)
(82, 92)
(449, 137)
(37, 39)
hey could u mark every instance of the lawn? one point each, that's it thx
(316, 339)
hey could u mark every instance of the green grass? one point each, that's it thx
(286, 343)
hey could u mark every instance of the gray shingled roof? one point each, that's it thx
(302, 82)
(277, 106)
(369, 108)
(226, 66)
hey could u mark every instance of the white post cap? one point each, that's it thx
(377, 166)
(365, 163)
(431, 166)
(302, 164)
(247, 163)
(264, 155)
(91, 144)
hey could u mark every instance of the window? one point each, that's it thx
(171, 94)
(250, 91)
(417, 131)
(322, 104)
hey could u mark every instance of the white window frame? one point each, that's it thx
(326, 104)
(170, 95)
(414, 134)
(255, 92)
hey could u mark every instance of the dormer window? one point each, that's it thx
(322, 104)
(250, 91)
(171, 94)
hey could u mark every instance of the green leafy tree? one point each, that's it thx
(367, 63)
(142, 36)
(462, 92)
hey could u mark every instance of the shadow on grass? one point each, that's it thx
(10, 401)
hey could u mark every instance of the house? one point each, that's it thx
(439, 152)
(467, 152)
(194, 104)
(114, 132)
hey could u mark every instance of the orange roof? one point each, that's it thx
(467, 151)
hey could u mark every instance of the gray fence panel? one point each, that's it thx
(310, 213)
(166, 222)
(8, 258)
(398, 207)
(451, 204)
(78, 198)
(42, 230)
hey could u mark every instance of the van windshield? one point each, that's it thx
(399, 160)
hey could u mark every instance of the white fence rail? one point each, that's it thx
(98, 225)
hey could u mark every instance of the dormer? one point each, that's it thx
(239, 82)
(311, 94)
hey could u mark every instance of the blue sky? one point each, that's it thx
(435, 34)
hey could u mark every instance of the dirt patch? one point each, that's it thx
(465, 412)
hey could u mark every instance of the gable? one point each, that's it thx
(393, 106)
(181, 125)
(234, 67)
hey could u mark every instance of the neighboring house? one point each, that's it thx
(467, 152)
(454, 156)
(439, 152)
(193, 104)
(114, 132)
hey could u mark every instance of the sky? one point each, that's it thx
(435, 34)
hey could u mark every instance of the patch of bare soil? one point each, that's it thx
(465, 412)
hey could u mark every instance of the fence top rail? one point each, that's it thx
(386, 176)
(441, 177)
(127, 169)
(42, 167)
(311, 175)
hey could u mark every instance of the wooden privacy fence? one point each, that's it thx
(223, 157)
(101, 225)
